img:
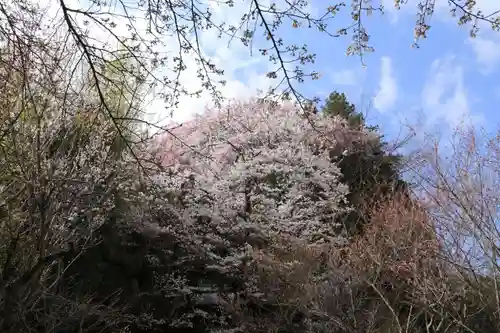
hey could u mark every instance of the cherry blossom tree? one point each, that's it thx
(255, 165)
(247, 180)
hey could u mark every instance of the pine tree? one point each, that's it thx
(337, 105)
(370, 174)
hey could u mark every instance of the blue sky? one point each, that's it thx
(434, 87)
(449, 78)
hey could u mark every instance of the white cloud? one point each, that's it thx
(487, 6)
(391, 11)
(444, 97)
(409, 7)
(244, 74)
(487, 53)
(388, 90)
(441, 9)
(345, 77)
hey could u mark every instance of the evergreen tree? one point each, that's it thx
(337, 105)
(369, 173)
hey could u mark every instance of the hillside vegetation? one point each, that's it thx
(253, 217)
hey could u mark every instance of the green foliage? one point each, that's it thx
(370, 173)
(337, 105)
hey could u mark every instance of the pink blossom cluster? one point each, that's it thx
(263, 167)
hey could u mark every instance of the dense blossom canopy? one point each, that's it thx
(263, 167)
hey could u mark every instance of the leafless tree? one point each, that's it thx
(62, 165)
